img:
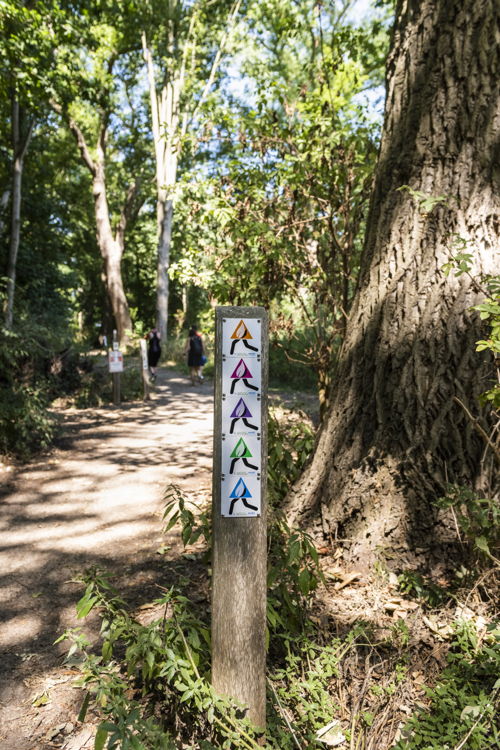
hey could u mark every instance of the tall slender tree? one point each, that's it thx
(396, 434)
(97, 116)
(189, 45)
(21, 130)
(26, 35)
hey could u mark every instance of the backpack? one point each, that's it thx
(196, 345)
(154, 344)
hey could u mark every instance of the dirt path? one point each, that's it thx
(96, 499)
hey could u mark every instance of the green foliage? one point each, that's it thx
(193, 524)
(25, 423)
(461, 262)
(426, 203)
(96, 386)
(415, 584)
(152, 682)
(290, 363)
(132, 388)
(293, 566)
(489, 311)
(302, 688)
(290, 445)
(478, 519)
(463, 705)
(148, 677)
(26, 426)
(293, 574)
(279, 218)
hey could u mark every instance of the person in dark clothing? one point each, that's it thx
(195, 351)
(154, 352)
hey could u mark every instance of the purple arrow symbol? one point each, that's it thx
(241, 411)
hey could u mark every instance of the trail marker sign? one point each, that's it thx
(241, 411)
(239, 508)
(115, 361)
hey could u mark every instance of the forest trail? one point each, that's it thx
(95, 499)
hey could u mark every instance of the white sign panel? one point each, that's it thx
(115, 361)
(241, 417)
(144, 354)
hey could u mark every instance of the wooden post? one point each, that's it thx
(116, 389)
(239, 563)
(145, 370)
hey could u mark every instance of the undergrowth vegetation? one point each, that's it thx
(35, 368)
(331, 681)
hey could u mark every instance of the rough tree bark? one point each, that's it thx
(394, 435)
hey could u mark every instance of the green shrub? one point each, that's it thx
(478, 519)
(290, 445)
(152, 682)
(26, 425)
(151, 678)
(463, 705)
(96, 386)
(286, 372)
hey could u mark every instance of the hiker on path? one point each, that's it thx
(154, 352)
(195, 355)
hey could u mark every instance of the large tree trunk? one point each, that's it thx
(20, 145)
(395, 435)
(111, 248)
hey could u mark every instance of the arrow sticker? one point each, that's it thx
(241, 372)
(241, 451)
(240, 492)
(241, 333)
(241, 411)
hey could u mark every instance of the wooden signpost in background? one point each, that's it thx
(145, 369)
(239, 508)
(116, 368)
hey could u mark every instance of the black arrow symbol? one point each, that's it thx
(245, 503)
(245, 461)
(237, 380)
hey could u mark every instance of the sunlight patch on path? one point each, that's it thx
(96, 498)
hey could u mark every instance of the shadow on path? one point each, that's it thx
(95, 499)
